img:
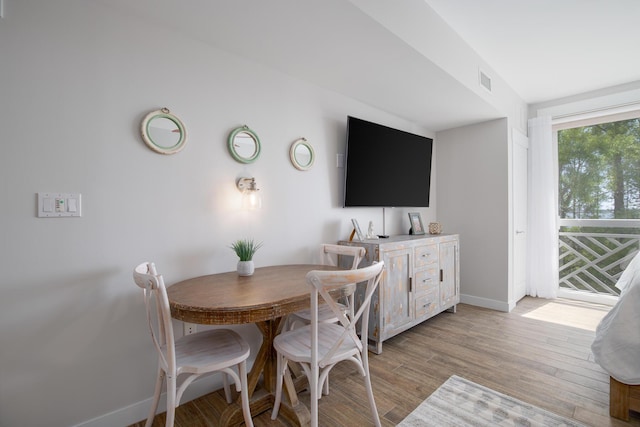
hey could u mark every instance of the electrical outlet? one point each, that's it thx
(189, 328)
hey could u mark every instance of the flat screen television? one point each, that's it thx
(386, 167)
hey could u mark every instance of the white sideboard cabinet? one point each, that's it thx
(421, 279)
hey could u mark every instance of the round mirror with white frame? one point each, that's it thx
(302, 154)
(163, 132)
(244, 145)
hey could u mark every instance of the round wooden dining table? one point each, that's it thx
(265, 298)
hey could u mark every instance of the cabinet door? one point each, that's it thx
(396, 290)
(448, 274)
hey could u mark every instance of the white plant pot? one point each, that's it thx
(245, 268)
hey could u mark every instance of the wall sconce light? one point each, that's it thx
(251, 200)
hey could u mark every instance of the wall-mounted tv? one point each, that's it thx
(386, 167)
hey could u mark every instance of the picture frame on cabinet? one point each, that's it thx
(416, 223)
(356, 228)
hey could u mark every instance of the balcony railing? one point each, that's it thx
(594, 253)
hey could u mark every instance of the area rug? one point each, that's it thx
(460, 402)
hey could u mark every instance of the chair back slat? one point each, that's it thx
(338, 255)
(158, 313)
(329, 254)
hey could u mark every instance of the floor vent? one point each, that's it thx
(485, 81)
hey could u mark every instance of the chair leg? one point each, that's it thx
(156, 397)
(227, 389)
(287, 324)
(367, 381)
(325, 389)
(244, 394)
(279, 378)
(171, 400)
(313, 389)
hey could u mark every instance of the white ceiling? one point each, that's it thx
(549, 49)
(576, 46)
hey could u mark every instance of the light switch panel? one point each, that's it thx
(57, 205)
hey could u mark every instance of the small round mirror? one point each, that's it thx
(302, 155)
(163, 132)
(244, 145)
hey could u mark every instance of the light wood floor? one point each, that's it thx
(539, 353)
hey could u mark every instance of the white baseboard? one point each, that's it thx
(140, 410)
(485, 303)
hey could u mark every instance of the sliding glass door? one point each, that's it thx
(599, 203)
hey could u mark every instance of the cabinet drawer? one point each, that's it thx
(425, 255)
(426, 304)
(426, 279)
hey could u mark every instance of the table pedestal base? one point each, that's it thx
(262, 399)
(261, 402)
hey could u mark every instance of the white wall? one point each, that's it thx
(76, 80)
(473, 195)
(425, 31)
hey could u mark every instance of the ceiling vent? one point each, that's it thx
(484, 80)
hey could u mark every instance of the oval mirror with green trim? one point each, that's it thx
(302, 154)
(163, 132)
(244, 145)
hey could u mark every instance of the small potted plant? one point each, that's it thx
(245, 249)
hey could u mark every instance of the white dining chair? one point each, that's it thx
(216, 350)
(319, 346)
(329, 255)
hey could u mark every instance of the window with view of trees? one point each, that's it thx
(600, 170)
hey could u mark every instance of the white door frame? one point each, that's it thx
(518, 228)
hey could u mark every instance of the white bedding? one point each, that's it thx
(617, 344)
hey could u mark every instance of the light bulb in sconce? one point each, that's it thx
(251, 199)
